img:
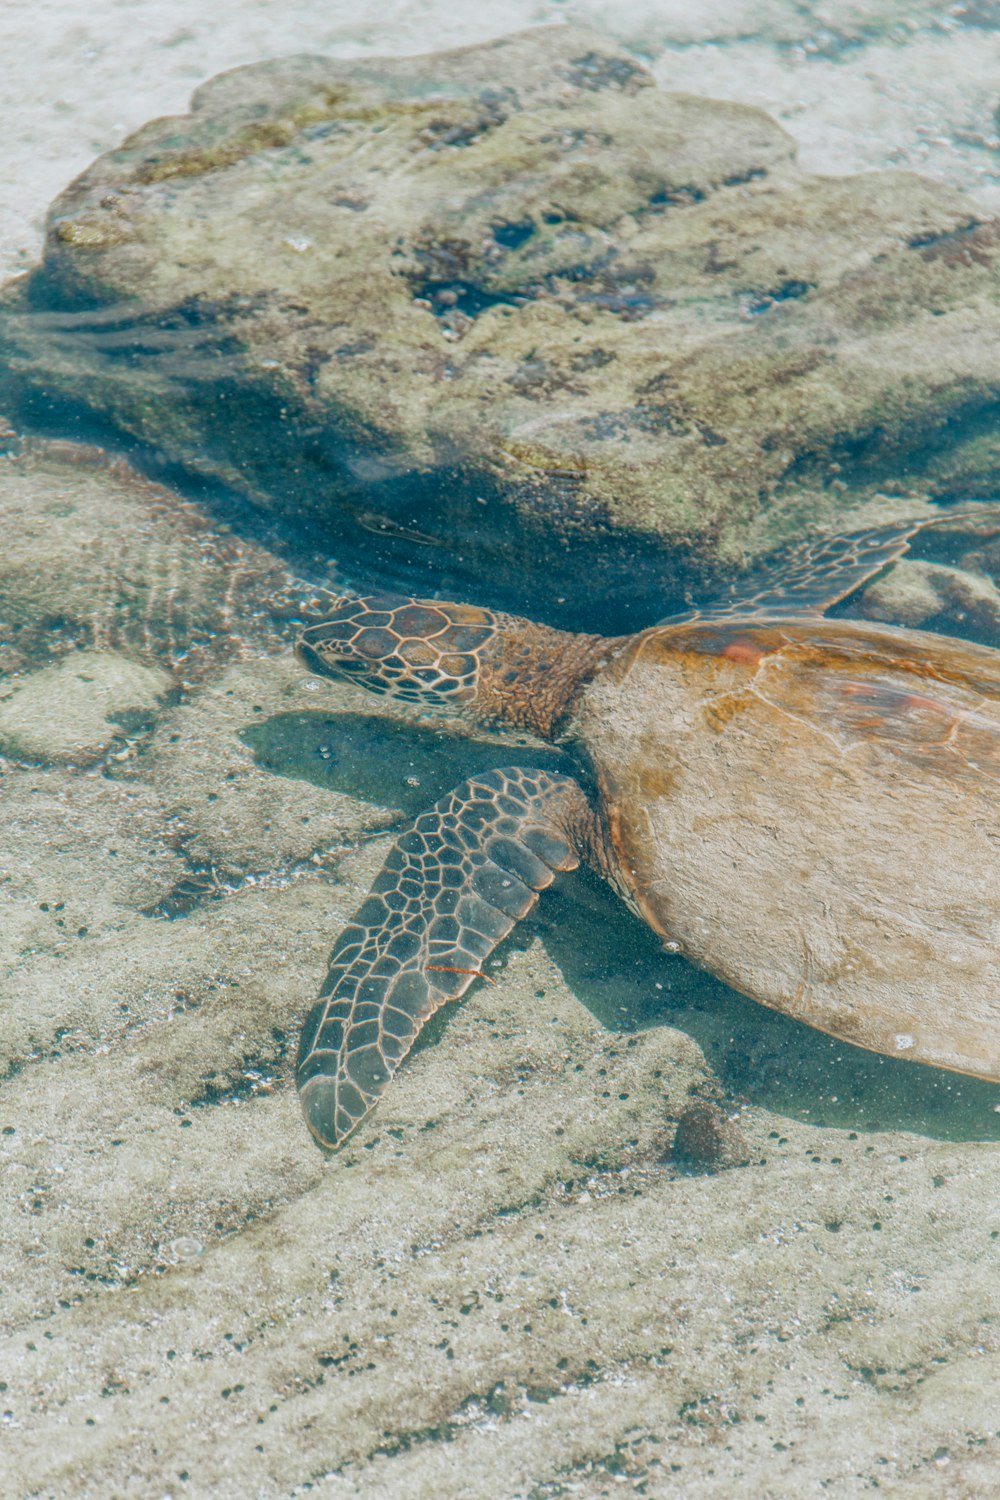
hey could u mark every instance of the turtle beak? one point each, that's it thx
(310, 658)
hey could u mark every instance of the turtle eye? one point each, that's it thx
(418, 650)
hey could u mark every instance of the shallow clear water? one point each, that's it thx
(505, 1284)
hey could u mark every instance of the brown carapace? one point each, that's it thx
(805, 807)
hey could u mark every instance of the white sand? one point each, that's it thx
(861, 83)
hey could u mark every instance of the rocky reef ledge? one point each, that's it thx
(505, 308)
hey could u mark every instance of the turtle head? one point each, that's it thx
(416, 649)
(496, 666)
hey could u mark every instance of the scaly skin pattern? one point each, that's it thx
(495, 666)
(451, 889)
(410, 649)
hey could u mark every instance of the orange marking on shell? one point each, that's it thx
(886, 701)
(746, 653)
(722, 711)
(916, 700)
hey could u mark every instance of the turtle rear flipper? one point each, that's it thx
(450, 891)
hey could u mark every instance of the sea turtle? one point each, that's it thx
(806, 807)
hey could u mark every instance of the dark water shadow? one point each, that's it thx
(385, 761)
(615, 966)
(174, 397)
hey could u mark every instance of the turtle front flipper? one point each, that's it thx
(812, 576)
(451, 889)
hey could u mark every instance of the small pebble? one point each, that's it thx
(708, 1139)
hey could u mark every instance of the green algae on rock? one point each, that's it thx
(500, 305)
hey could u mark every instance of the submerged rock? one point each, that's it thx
(932, 594)
(707, 1138)
(97, 558)
(75, 710)
(499, 308)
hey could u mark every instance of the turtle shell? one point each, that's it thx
(808, 809)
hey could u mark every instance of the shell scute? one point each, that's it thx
(375, 644)
(417, 653)
(815, 821)
(419, 620)
(458, 666)
(464, 637)
(467, 614)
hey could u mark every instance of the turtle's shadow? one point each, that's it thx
(615, 966)
(391, 762)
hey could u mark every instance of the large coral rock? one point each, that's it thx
(425, 299)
